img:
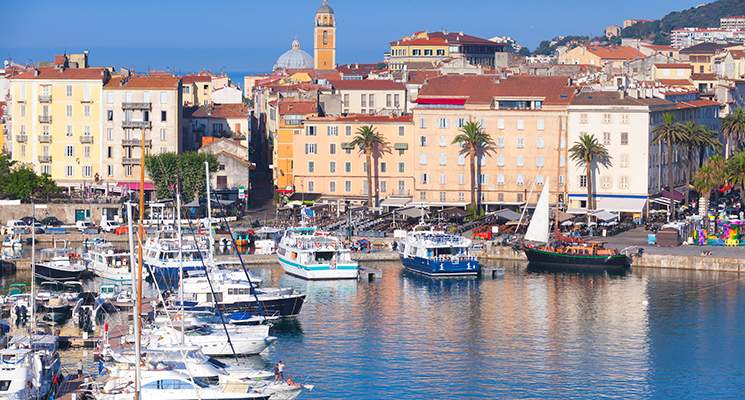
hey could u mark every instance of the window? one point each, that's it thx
(423, 141)
(109, 133)
(442, 123)
(163, 98)
(461, 179)
(383, 167)
(86, 93)
(443, 141)
(69, 151)
(425, 178)
(520, 124)
(401, 131)
(109, 152)
(325, 37)
(416, 52)
(500, 160)
(332, 131)
(623, 182)
(606, 138)
(163, 116)
(68, 170)
(332, 148)
(87, 110)
(371, 99)
(87, 130)
(520, 142)
(500, 142)
(109, 115)
(539, 179)
(623, 161)
(347, 167)
(442, 197)
(607, 118)
(87, 151)
(423, 196)
(520, 161)
(346, 99)
(87, 171)
(422, 123)
(483, 179)
(332, 186)
(440, 52)
(146, 117)
(311, 186)
(461, 159)
(68, 110)
(388, 100)
(583, 118)
(500, 179)
(541, 125)
(625, 119)
(310, 131)
(68, 90)
(396, 102)
(68, 131)
(461, 196)
(583, 181)
(442, 179)
(311, 166)
(606, 182)
(520, 180)
(23, 150)
(562, 160)
(539, 161)
(443, 159)
(624, 138)
(539, 143)
(347, 186)
(128, 170)
(162, 134)
(310, 148)
(500, 123)
(348, 130)
(562, 143)
(401, 167)
(401, 187)
(110, 170)
(364, 167)
(427, 52)
(423, 159)
(363, 100)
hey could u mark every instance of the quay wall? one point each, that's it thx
(65, 212)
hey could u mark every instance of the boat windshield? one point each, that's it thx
(445, 251)
(325, 255)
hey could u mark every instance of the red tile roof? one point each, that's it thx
(737, 53)
(196, 78)
(142, 82)
(697, 104)
(658, 47)
(297, 107)
(227, 111)
(365, 118)
(442, 38)
(675, 82)
(615, 52)
(555, 89)
(704, 77)
(480, 89)
(673, 66)
(66, 73)
(419, 77)
(367, 84)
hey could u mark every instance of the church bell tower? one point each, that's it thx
(324, 54)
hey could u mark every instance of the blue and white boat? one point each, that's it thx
(311, 254)
(437, 253)
(161, 258)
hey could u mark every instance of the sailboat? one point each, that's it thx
(563, 253)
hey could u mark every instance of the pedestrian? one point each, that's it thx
(80, 369)
(281, 370)
(276, 373)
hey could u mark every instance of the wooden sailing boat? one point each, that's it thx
(563, 253)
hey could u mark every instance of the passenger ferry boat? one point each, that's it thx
(436, 253)
(161, 258)
(109, 264)
(310, 254)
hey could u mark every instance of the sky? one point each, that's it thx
(249, 35)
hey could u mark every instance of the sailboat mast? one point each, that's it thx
(33, 267)
(138, 297)
(180, 259)
(130, 238)
(209, 209)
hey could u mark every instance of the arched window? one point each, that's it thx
(325, 37)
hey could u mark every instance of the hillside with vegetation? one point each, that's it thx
(702, 16)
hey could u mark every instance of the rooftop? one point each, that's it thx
(119, 82)
(613, 98)
(703, 48)
(227, 111)
(192, 78)
(364, 118)
(96, 73)
(367, 84)
(297, 107)
(673, 66)
(481, 89)
(443, 38)
(704, 77)
(615, 52)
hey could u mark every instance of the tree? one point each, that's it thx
(166, 169)
(733, 129)
(373, 145)
(670, 133)
(699, 138)
(587, 152)
(736, 170)
(475, 143)
(707, 178)
(24, 184)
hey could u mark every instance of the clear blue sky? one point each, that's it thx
(248, 35)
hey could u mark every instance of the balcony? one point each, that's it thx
(22, 138)
(136, 106)
(45, 119)
(130, 161)
(136, 142)
(45, 138)
(86, 139)
(45, 98)
(136, 124)
(45, 159)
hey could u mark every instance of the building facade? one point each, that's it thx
(371, 96)
(430, 47)
(290, 115)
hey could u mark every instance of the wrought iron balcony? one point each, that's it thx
(45, 98)
(22, 138)
(136, 124)
(137, 106)
(136, 142)
(45, 159)
(45, 138)
(86, 139)
(130, 161)
(45, 119)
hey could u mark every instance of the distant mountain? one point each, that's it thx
(702, 16)
(548, 47)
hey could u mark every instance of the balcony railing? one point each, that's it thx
(86, 139)
(22, 138)
(136, 142)
(45, 98)
(130, 161)
(136, 106)
(45, 159)
(45, 119)
(45, 138)
(136, 124)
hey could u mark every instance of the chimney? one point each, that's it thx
(36, 72)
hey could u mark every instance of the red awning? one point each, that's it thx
(442, 101)
(135, 185)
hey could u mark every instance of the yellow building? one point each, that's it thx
(291, 120)
(671, 71)
(57, 121)
(430, 47)
(324, 37)
(701, 56)
(3, 132)
(600, 55)
(326, 163)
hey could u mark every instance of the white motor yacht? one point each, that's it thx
(28, 367)
(310, 254)
(109, 264)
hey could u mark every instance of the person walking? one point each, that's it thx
(281, 371)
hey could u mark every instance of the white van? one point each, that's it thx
(82, 226)
(109, 226)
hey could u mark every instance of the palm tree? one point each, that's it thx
(588, 152)
(699, 139)
(707, 178)
(475, 143)
(733, 129)
(671, 133)
(736, 170)
(373, 145)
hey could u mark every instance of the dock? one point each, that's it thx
(491, 272)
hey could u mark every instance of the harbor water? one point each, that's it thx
(653, 334)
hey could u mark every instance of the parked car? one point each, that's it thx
(38, 228)
(29, 220)
(51, 221)
(15, 226)
(109, 226)
(83, 226)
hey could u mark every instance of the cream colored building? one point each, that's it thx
(671, 71)
(133, 104)
(326, 163)
(371, 96)
(197, 89)
(600, 56)
(57, 122)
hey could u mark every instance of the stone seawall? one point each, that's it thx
(65, 212)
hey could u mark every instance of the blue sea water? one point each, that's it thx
(654, 334)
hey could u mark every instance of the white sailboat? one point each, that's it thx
(538, 229)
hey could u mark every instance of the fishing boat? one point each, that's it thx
(310, 254)
(109, 264)
(28, 367)
(437, 254)
(566, 254)
(59, 264)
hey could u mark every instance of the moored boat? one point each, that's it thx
(436, 253)
(310, 254)
(59, 264)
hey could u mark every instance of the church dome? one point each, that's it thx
(324, 8)
(294, 58)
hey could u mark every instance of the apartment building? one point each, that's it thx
(371, 96)
(58, 120)
(526, 118)
(133, 105)
(736, 22)
(327, 163)
(430, 47)
(290, 115)
(197, 89)
(624, 125)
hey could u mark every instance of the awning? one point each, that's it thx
(395, 201)
(507, 214)
(305, 196)
(674, 195)
(604, 215)
(136, 185)
(563, 217)
(620, 204)
(412, 212)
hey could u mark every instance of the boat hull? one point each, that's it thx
(243, 346)
(319, 271)
(289, 306)
(43, 271)
(577, 263)
(168, 277)
(436, 268)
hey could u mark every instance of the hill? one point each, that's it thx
(702, 16)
